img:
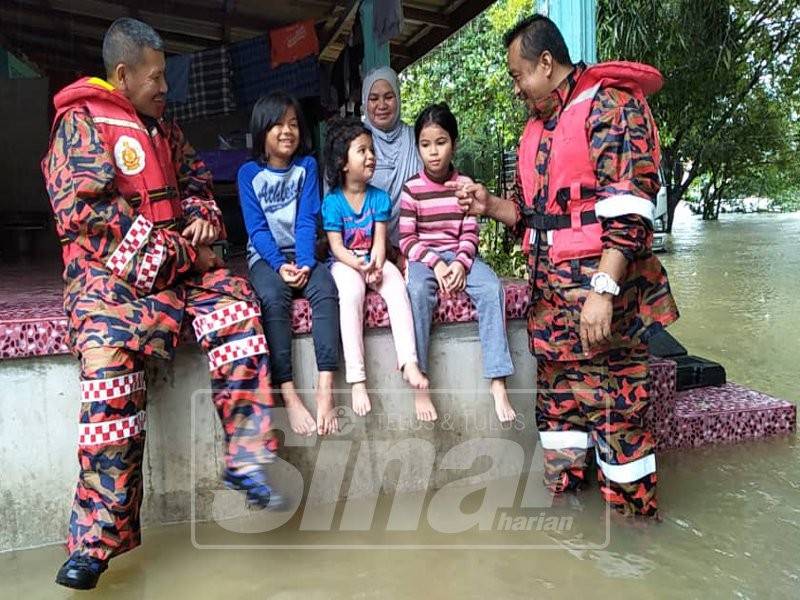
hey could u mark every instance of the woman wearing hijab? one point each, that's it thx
(395, 148)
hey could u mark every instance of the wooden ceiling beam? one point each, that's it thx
(19, 14)
(339, 26)
(417, 16)
(204, 14)
(229, 9)
(48, 55)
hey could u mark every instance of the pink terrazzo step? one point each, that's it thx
(728, 414)
(660, 415)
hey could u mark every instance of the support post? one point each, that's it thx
(577, 20)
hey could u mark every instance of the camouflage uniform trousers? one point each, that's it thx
(599, 403)
(105, 512)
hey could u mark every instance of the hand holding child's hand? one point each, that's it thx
(473, 198)
(442, 272)
(457, 277)
(290, 274)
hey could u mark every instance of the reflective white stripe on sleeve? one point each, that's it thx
(583, 96)
(134, 240)
(625, 204)
(560, 440)
(149, 266)
(628, 472)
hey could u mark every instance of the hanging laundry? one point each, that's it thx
(293, 42)
(253, 76)
(301, 78)
(250, 60)
(177, 74)
(387, 20)
(210, 86)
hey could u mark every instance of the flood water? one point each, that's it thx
(731, 524)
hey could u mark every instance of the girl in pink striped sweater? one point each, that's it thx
(441, 245)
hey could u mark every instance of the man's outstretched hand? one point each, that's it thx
(473, 198)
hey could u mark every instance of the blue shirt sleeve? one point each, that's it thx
(382, 205)
(305, 228)
(331, 217)
(254, 219)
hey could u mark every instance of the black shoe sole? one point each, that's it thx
(76, 584)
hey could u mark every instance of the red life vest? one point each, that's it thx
(570, 220)
(145, 173)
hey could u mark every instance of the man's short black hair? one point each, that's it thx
(539, 34)
(124, 42)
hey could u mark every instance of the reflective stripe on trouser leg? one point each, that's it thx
(558, 440)
(230, 332)
(629, 472)
(565, 460)
(105, 512)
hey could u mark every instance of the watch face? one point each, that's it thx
(600, 282)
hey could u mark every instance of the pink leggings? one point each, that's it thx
(352, 290)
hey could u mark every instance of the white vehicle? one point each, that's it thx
(660, 234)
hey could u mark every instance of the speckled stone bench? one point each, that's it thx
(32, 321)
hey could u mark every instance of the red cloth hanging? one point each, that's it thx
(293, 42)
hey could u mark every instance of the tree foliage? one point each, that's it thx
(726, 113)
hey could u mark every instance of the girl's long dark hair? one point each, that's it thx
(267, 112)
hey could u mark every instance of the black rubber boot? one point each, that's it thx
(81, 572)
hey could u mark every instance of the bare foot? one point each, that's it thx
(414, 376)
(300, 420)
(361, 403)
(326, 413)
(423, 404)
(505, 412)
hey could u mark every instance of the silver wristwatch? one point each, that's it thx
(603, 284)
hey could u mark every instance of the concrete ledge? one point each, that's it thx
(38, 432)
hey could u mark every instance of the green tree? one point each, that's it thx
(731, 72)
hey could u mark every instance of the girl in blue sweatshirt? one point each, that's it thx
(280, 198)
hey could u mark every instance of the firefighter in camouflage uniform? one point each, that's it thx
(136, 217)
(587, 180)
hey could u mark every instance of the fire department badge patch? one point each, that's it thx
(129, 155)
